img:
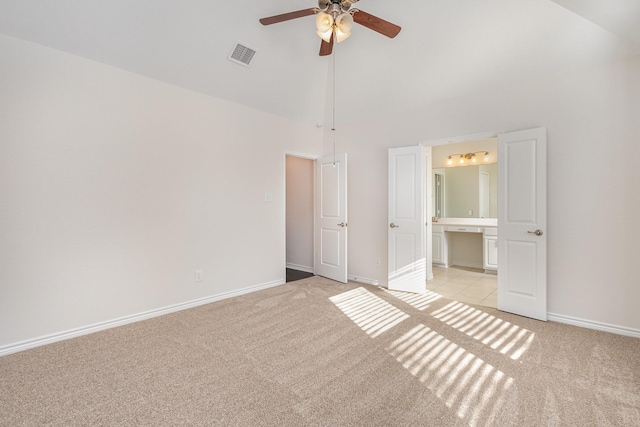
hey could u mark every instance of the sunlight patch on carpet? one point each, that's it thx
(467, 384)
(371, 313)
(507, 338)
(418, 301)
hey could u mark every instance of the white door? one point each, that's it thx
(522, 222)
(331, 218)
(407, 219)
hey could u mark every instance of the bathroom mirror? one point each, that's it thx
(466, 191)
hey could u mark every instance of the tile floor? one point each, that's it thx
(468, 285)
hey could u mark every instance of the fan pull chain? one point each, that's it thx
(333, 99)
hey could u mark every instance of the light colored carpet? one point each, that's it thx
(321, 353)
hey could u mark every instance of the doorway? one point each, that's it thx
(299, 211)
(518, 247)
(464, 195)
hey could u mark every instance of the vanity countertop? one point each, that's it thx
(473, 222)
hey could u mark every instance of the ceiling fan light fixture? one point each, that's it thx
(340, 36)
(343, 25)
(326, 36)
(324, 22)
(336, 16)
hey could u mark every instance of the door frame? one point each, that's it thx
(314, 158)
(445, 141)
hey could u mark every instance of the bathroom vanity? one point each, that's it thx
(485, 239)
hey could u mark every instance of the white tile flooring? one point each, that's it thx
(468, 285)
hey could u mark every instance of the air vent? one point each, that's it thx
(242, 54)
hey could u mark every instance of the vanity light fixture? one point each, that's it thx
(467, 156)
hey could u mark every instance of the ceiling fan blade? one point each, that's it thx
(326, 48)
(374, 23)
(287, 16)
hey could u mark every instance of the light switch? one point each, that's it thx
(268, 197)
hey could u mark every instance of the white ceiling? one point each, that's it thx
(446, 49)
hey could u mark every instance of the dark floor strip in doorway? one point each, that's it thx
(293, 275)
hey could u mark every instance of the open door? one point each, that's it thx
(407, 219)
(522, 222)
(331, 218)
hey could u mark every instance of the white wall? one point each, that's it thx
(593, 199)
(300, 213)
(115, 188)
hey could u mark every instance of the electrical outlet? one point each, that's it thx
(198, 275)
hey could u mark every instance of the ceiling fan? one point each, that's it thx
(334, 19)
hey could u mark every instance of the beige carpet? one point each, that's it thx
(320, 353)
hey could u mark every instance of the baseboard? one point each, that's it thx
(96, 327)
(364, 280)
(467, 265)
(590, 324)
(300, 267)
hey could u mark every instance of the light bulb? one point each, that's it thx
(326, 36)
(343, 24)
(486, 157)
(449, 161)
(340, 36)
(461, 159)
(473, 158)
(324, 22)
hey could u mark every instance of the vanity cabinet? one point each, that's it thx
(439, 253)
(490, 249)
(443, 247)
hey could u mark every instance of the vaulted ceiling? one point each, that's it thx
(446, 49)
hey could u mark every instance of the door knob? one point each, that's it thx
(392, 225)
(537, 232)
(342, 224)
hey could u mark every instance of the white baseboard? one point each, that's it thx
(364, 280)
(467, 265)
(590, 324)
(96, 327)
(300, 267)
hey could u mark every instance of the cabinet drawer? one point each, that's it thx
(438, 229)
(491, 231)
(464, 229)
